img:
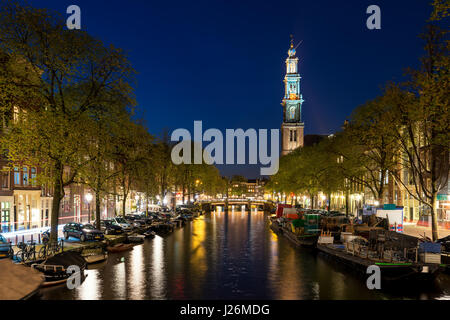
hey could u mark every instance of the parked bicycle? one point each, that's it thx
(27, 251)
(50, 248)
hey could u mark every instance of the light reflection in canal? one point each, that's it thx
(157, 274)
(230, 255)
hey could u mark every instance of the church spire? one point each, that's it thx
(291, 51)
(292, 127)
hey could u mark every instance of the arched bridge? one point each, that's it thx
(260, 204)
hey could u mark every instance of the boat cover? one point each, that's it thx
(66, 259)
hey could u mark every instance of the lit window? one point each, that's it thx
(4, 178)
(25, 176)
(33, 176)
(16, 176)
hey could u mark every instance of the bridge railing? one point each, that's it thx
(234, 200)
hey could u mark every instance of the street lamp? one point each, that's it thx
(136, 197)
(88, 198)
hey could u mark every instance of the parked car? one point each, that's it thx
(165, 209)
(108, 227)
(121, 222)
(82, 231)
(133, 222)
(154, 208)
(5, 248)
(154, 216)
(141, 219)
(148, 220)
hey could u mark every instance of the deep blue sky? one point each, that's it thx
(223, 61)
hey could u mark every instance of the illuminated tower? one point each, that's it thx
(292, 127)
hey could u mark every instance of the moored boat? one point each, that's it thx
(120, 247)
(136, 238)
(390, 270)
(305, 240)
(275, 225)
(94, 255)
(149, 234)
(302, 228)
(55, 268)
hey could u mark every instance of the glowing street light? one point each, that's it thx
(88, 198)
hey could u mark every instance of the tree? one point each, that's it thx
(70, 73)
(422, 105)
(330, 179)
(367, 147)
(164, 167)
(238, 186)
(104, 127)
(130, 156)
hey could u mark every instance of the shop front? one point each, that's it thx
(6, 205)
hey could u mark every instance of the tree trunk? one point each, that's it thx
(312, 201)
(434, 224)
(115, 198)
(380, 198)
(124, 204)
(189, 193)
(346, 204)
(58, 193)
(97, 210)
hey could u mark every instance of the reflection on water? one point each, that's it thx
(90, 290)
(157, 270)
(136, 273)
(230, 255)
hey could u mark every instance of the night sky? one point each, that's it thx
(222, 62)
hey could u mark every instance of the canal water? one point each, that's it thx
(231, 255)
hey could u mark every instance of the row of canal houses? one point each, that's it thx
(25, 205)
(360, 196)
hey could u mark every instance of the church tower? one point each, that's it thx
(292, 127)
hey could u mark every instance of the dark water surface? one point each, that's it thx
(229, 256)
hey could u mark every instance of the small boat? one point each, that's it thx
(149, 234)
(55, 268)
(120, 247)
(307, 238)
(94, 255)
(391, 271)
(164, 228)
(275, 226)
(136, 238)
